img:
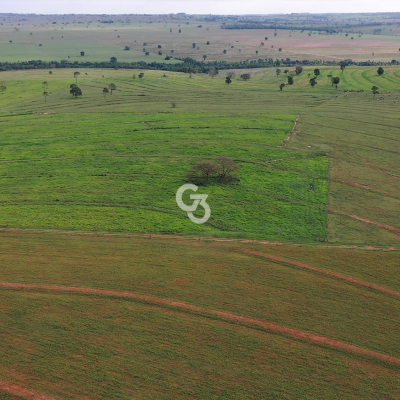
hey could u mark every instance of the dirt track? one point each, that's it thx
(347, 278)
(367, 221)
(365, 187)
(223, 315)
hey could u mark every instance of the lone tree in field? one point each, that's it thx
(3, 85)
(290, 80)
(380, 71)
(222, 168)
(75, 91)
(45, 85)
(76, 74)
(286, 71)
(335, 81)
(194, 45)
(213, 72)
(82, 53)
(342, 66)
(231, 74)
(375, 90)
(278, 72)
(204, 57)
(3, 88)
(105, 91)
(299, 70)
(45, 95)
(313, 81)
(228, 80)
(226, 169)
(317, 72)
(202, 171)
(111, 87)
(141, 75)
(281, 86)
(245, 77)
(113, 60)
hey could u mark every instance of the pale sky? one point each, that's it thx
(195, 6)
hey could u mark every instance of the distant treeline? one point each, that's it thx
(187, 65)
(256, 25)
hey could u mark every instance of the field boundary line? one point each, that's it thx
(160, 236)
(271, 327)
(323, 271)
(17, 390)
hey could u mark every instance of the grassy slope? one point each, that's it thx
(112, 347)
(352, 128)
(361, 135)
(120, 171)
(109, 347)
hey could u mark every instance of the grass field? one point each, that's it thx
(121, 170)
(96, 303)
(73, 34)
(138, 140)
(104, 347)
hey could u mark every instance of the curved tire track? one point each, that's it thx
(367, 221)
(223, 315)
(338, 275)
(365, 187)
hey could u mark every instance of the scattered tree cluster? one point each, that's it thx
(222, 169)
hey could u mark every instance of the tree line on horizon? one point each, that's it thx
(188, 65)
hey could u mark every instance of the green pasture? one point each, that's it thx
(115, 162)
(121, 172)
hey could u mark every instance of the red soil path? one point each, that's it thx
(380, 169)
(367, 221)
(23, 392)
(223, 315)
(346, 278)
(365, 187)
